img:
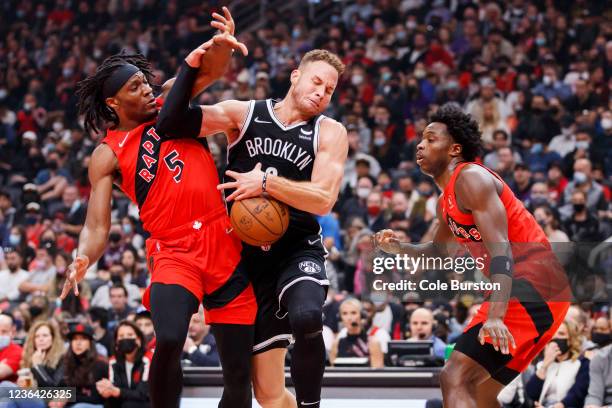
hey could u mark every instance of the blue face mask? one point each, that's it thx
(386, 76)
(127, 229)
(14, 239)
(536, 148)
(4, 342)
(540, 41)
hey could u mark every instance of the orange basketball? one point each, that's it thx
(259, 221)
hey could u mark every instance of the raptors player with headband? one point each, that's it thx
(192, 255)
(478, 211)
(292, 152)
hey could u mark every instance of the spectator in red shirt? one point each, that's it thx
(10, 353)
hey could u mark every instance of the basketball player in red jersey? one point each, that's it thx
(480, 212)
(292, 152)
(191, 255)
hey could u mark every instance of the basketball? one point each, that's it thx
(259, 221)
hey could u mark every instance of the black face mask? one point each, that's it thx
(601, 339)
(563, 345)
(35, 311)
(579, 207)
(115, 237)
(116, 279)
(126, 346)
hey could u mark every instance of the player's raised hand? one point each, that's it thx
(76, 273)
(501, 338)
(225, 22)
(247, 185)
(386, 241)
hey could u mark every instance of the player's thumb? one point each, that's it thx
(257, 166)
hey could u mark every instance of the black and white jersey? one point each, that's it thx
(286, 151)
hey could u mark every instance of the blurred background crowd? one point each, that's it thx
(536, 75)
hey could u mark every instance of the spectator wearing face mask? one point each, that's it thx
(583, 181)
(355, 341)
(583, 225)
(376, 215)
(103, 297)
(19, 242)
(564, 143)
(538, 196)
(12, 277)
(127, 385)
(356, 206)
(116, 246)
(562, 377)
(128, 226)
(600, 335)
(10, 353)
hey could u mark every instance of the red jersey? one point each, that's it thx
(173, 181)
(528, 240)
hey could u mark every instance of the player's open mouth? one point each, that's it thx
(151, 102)
(419, 158)
(313, 103)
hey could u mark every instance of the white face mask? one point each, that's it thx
(606, 123)
(4, 341)
(58, 126)
(357, 79)
(363, 192)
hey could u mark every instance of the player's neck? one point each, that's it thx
(445, 176)
(288, 113)
(127, 124)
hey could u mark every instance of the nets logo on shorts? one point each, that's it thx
(309, 267)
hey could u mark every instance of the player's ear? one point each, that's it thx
(456, 149)
(295, 75)
(112, 102)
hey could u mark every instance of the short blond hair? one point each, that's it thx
(325, 56)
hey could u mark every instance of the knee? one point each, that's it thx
(307, 323)
(455, 377)
(268, 395)
(450, 377)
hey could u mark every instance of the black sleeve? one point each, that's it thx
(48, 376)
(177, 118)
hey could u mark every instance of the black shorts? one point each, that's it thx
(271, 276)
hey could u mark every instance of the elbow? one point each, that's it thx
(325, 206)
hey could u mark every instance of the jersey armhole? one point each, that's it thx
(245, 124)
(315, 137)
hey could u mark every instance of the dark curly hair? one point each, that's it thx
(462, 128)
(89, 91)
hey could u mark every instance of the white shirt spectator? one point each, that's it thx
(10, 281)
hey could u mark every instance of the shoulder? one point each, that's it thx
(331, 125)
(474, 180)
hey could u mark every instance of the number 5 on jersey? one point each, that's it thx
(175, 165)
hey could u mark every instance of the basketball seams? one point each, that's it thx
(280, 217)
(260, 223)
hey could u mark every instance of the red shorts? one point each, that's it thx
(532, 325)
(201, 256)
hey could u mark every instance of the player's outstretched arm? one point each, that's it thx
(316, 196)
(477, 192)
(93, 237)
(177, 117)
(215, 61)
(442, 244)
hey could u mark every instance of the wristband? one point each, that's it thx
(501, 265)
(263, 182)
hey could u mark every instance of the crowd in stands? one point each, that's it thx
(535, 75)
